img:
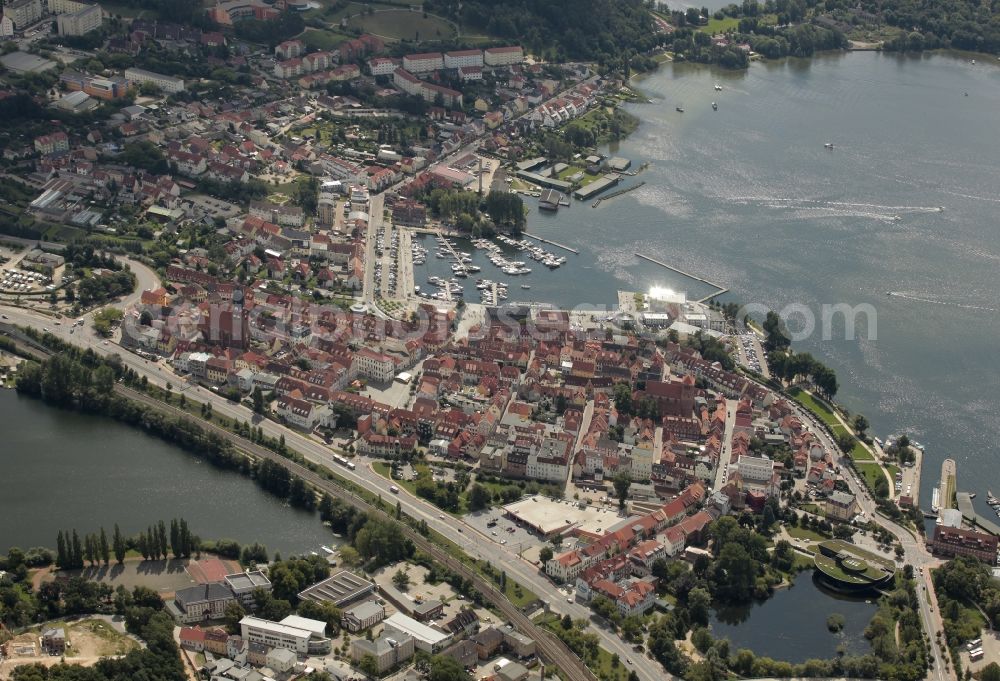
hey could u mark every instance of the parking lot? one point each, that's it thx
(506, 532)
(751, 354)
(217, 208)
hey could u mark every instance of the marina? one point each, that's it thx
(501, 252)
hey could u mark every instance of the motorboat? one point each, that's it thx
(715, 107)
(680, 109)
(828, 145)
(718, 87)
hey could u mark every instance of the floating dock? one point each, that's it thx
(612, 195)
(721, 289)
(553, 243)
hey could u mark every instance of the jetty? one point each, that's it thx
(947, 486)
(612, 195)
(553, 243)
(719, 292)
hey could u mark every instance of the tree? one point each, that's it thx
(401, 579)
(258, 400)
(118, 541)
(446, 668)
(104, 548)
(622, 482)
(479, 497)
(368, 665)
(545, 555)
(991, 672)
(699, 602)
(860, 424)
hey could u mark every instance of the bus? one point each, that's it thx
(343, 461)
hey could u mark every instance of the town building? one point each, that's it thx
(243, 584)
(287, 633)
(503, 56)
(425, 638)
(423, 63)
(460, 58)
(950, 542)
(841, 506)
(81, 22)
(23, 13)
(339, 589)
(167, 84)
(389, 650)
(362, 616)
(201, 602)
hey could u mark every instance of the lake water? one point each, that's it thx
(62, 470)
(791, 625)
(749, 197)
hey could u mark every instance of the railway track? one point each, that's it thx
(550, 648)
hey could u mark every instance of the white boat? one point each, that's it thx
(525, 286)
(935, 500)
(718, 87)
(828, 145)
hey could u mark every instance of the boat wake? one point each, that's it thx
(921, 299)
(874, 211)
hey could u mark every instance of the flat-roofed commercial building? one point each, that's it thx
(285, 634)
(340, 589)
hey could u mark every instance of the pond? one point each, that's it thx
(791, 625)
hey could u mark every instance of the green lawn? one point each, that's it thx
(403, 24)
(820, 409)
(322, 39)
(130, 11)
(723, 25)
(802, 533)
(870, 472)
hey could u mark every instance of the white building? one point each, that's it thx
(425, 638)
(281, 660)
(503, 56)
(423, 63)
(756, 470)
(374, 365)
(165, 83)
(407, 82)
(284, 634)
(382, 66)
(460, 58)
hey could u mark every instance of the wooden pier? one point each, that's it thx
(719, 292)
(553, 243)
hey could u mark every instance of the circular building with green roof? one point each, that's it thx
(845, 567)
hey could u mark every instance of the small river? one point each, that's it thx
(791, 625)
(63, 470)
